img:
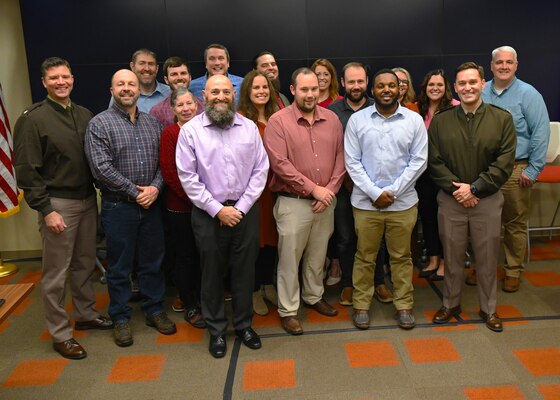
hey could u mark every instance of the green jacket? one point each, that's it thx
(49, 154)
(478, 150)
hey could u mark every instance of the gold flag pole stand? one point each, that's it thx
(7, 269)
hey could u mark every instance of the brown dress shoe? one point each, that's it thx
(444, 314)
(383, 294)
(511, 284)
(493, 322)
(324, 308)
(70, 349)
(100, 322)
(346, 296)
(177, 304)
(471, 279)
(291, 325)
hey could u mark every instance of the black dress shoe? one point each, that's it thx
(218, 346)
(249, 338)
(100, 322)
(444, 314)
(70, 349)
(437, 277)
(426, 273)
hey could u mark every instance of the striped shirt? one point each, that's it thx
(122, 154)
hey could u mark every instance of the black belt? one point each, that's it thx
(295, 196)
(229, 203)
(117, 198)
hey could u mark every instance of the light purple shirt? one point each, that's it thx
(216, 165)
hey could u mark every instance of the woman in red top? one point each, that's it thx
(186, 269)
(407, 95)
(328, 83)
(257, 101)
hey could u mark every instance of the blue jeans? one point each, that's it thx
(133, 232)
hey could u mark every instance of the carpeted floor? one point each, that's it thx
(332, 360)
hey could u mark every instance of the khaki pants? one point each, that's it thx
(397, 227)
(515, 215)
(301, 234)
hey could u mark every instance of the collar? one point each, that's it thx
(123, 113)
(493, 86)
(318, 113)
(237, 120)
(56, 104)
(367, 103)
(398, 111)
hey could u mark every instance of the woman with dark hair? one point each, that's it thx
(435, 95)
(258, 101)
(328, 82)
(186, 270)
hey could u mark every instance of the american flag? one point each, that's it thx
(9, 193)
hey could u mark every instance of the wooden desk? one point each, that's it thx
(13, 294)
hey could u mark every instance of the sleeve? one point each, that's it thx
(28, 162)
(100, 158)
(353, 160)
(538, 123)
(339, 171)
(276, 145)
(167, 165)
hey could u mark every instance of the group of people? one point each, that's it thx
(245, 190)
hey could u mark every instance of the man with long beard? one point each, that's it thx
(223, 167)
(385, 151)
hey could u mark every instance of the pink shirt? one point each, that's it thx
(304, 155)
(429, 116)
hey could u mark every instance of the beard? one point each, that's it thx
(355, 96)
(221, 118)
(385, 106)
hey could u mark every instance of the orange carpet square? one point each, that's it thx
(543, 278)
(101, 301)
(186, 333)
(31, 277)
(416, 280)
(4, 325)
(314, 317)
(425, 350)
(540, 362)
(36, 373)
(371, 354)
(542, 252)
(549, 392)
(20, 309)
(494, 393)
(6, 279)
(509, 311)
(430, 315)
(137, 368)
(270, 319)
(259, 375)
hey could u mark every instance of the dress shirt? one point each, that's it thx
(304, 155)
(147, 101)
(530, 116)
(164, 113)
(385, 154)
(197, 85)
(123, 154)
(216, 165)
(343, 111)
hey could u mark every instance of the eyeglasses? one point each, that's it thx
(403, 82)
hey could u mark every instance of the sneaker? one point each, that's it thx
(177, 305)
(383, 294)
(471, 277)
(360, 318)
(511, 284)
(194, 317)
(259, 306)
(346, 296)
(269, 293)
(405, 319)
(122, 334)
(162, 323)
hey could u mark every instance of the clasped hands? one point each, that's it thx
(384, 200)
(464, 196)
(229, 216)
(323, 198)
(147, 196)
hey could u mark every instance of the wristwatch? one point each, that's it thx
(474, 190)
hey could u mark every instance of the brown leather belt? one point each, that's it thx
(295, 196)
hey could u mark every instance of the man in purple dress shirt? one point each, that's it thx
(223, 167)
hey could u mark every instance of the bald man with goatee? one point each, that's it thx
(122, 147)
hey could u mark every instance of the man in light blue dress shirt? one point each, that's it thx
(385, 152)
(532, 126)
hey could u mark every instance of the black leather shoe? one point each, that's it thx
(249, 338)
(493, 322)
(100, 322)
(218, 346)
(70, 349)
(444, 314)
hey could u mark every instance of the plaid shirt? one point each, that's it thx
(122, 154)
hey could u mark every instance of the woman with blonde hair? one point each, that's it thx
(407, 95)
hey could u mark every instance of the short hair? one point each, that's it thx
(410, 95)
(215, 46)
(470, 65)
(385, 71)
(246, 106)
(505, 49)
(143, 51)
(255, 59)
(300, 71)
(333, 88)
(353, 65)
(53, 62)
(179, 92)
(174, 62)
(424, 101)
